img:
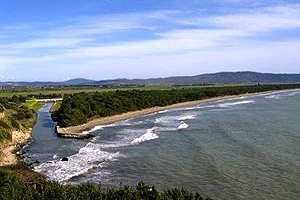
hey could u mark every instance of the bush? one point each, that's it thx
(2, 108)
(12, 188)
(14, 123)
(4, 134)
(3, 124)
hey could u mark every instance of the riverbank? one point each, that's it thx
(81, 129)
(7, 149)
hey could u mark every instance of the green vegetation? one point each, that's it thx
(80, 107)
(15, 116)
(56, 106)
(57, 92)
(33, 104)
(12, 187)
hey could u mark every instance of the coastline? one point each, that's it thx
(8, 154)
(81, 130)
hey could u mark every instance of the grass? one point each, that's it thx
(33, 104)
(48, 91)
(56, 106)
(31, 91)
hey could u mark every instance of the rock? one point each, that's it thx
(64, 159)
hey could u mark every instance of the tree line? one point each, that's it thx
(80, 107)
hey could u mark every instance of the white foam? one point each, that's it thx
(123, 138)
(163, 111)
(100, 127)
(165, 119)
(87, 158)
(272, 97)
(149, 135)
(293, 93)
(96, 128)
(225, 105)
(127, 122)
(186, 117)
(183, 125)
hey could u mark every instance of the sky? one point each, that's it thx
(57, 40)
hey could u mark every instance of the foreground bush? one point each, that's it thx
(12, 188)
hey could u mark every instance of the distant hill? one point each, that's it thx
(77, 81)
(214, 78)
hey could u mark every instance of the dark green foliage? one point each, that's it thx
(78, 108)
(3, 124)
(18, 99)
(2, 108)
(17, 116)
(14, 123)
(23, 113)
(4, 134)
(45, 96)
(12, 188)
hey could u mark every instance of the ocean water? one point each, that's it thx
(242, 148)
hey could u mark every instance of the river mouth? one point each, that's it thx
(230, 149)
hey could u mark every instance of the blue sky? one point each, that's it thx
(62, 39)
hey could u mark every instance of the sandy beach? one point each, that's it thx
(116, 118)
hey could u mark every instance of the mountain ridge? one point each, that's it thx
(202, 79)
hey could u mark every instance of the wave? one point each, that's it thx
(165, 119)
(100, 127)
(87, 158)
(163, 111)
(183, 125)
(225, 105)
(273, 97)
(293, 93)
(186, 117)
(149, 135)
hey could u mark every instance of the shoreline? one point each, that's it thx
(81, 130)
(8, 154)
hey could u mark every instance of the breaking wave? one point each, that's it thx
(293, 93)
(273, 97)
(183, 125)
(87, 158)
(149, 135)
(186, 117)
(225, 105)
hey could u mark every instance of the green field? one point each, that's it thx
(30, 91)
(54, 91)
(33, 104)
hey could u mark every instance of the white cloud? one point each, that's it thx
(47, 43)
(267, 19)
(201, 43)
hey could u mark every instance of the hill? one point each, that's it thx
(214, 78)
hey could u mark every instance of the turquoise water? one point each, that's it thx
(244, 148)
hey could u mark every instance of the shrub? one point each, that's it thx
(12, 188)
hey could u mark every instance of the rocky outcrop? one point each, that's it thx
(7, 156)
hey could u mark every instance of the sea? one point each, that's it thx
(241, 148)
